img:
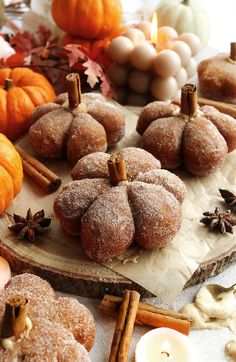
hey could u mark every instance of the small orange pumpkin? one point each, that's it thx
(21, 90)
(90, 19)
(11, 173)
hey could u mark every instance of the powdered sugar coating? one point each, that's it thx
(107, 222)
(86, 136)
(48, 136)
(93, 165)
(156, 212)
(163, 139)
(168, 180)
(49, 341)
(105, 116)
(80, 322)
(217, 78)
(204, 148)
(138, 160)
(56, 313)
(41, 304)
(169, 138)
(42, 110)
(95, 123)
(74, 200)
(107, 227)
(151, 112)
(224, 123)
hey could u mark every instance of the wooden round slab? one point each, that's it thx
(60, 259)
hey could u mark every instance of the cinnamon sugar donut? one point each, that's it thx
(80, 322)
(95, 165)
(47, 341)
(217, 78)
(146, 208)
(200, 142)
(41, 304)
(66, 313)
(74, 200)
(91, 127)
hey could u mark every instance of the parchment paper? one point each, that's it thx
(166, 271)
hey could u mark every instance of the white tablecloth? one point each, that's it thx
(208, 344)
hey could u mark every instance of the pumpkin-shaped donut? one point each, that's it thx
(55, 328)
(117, 199)
(217, 76)
(67, 125)
(199, 138)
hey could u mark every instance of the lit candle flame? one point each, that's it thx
(165, 348)
(154, 27)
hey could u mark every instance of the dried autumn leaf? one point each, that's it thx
(44, 35)
(23, 42)
(74, 54)
(93, 71)
(106, 88)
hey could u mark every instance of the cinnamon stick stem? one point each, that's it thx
(74, 90)
(149, 315)
(233, 51)
(44, 177)
(189, 99)
(226, 108)
(117, 169)
(14, 319)
(124, 327)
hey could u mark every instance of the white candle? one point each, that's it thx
(139, 81)
(167, 63)
(5, 272)
(120, 49)
(184, 51)
(142, 56)
(135, 35)
(164, 88)
(118, 73)
(165, 345)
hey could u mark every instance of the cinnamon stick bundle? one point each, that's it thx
(124, 327)
(148, 314)
(44, 177)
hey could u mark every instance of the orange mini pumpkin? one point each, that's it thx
(11, 173)
(90, 19)
(21, 90)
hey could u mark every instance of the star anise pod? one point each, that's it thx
(219, 220)
(27, 227)
(230, 199)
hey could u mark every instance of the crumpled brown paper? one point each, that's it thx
(163, 272)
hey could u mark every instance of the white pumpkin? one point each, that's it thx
(184, 16)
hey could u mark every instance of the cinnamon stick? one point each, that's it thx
(44, 177)
(74, 90)
(124, 327)
(189, 99)
(117, 169)
(233, 51)
(148, 315)
(226, 108)
(14, 319)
